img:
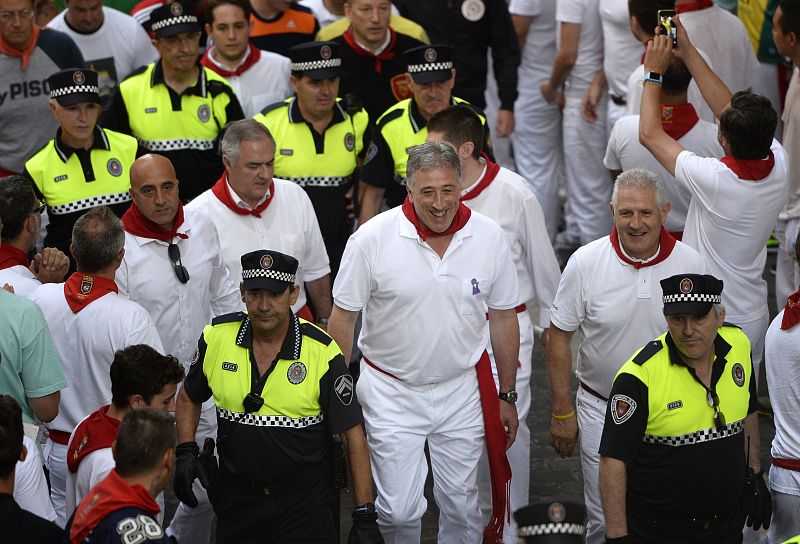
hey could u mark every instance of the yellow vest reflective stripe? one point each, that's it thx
(64, 185)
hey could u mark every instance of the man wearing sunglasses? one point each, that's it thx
(173, 267)
(680, 448)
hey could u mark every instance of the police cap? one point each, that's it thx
(691, 294)
(430, 63)
(266, 269)
(551, 523)
(171, 19)
(73, 86)
(318, 60)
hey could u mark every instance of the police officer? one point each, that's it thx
(319, 141)
(85, 165)
(175, 107)
(551, 523)
(281, 388)
(431, 77)
(681, 417)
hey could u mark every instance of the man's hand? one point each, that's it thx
(365, 526)
(757, 501)
(505, 123)
(349, 205)
(8, 287)
(49, 266)
(187, 468)
(548, 92)
(564, 435)
(509, 418)
(684, 43)
(590, 101)
(658, 55)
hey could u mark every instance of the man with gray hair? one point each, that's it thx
(424, 275)
(89, 322)
(610, 294)
(253, 210)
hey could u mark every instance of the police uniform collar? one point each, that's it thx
(64, 151)
(200, 88)
(290, 349)
(295, 116)
(721, 349)
(418, 122)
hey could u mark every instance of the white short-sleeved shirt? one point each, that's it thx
(621, 51)
(624, 152)
(180, 310)
(614, 307)
(424, 316)
(288, 225)
(728, 223)
(791, 143)
(321, 13)
(93, 468)
(510, 202)
(540, 43)
(86, 343)
(590, 46)
(20, 278)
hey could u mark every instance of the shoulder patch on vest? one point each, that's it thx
(647, 352)
(274, 106)
(228, 318)
(734, 325)
(307, 329)
(387, 117)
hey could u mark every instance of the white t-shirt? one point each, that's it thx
(322, 14)
(511, 203)
(615, 307)
(782, 364)
(288, 225)
(86, 343)
(424, 316)
(93, 468)
(114, 50)
(540, 43)
(624, 152)
(728, 223)
(791, 143)
(621, 51)
(180, 310)
(21, 278)
(590, 47)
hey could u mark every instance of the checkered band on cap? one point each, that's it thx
(551, 529)
(271, 274)
(429, 67)
(181, 19)
(75, 89)
(316, 65)
(692, 297)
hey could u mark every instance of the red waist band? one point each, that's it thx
(789, 464)
(59, 437)
(379, 369)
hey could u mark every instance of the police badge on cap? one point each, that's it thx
(691, 294)
(74, 86)
(317, 60)
(266, 269)
(430, 63)
(171, 19)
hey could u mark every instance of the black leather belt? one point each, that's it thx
(618, 100)
(593, 392)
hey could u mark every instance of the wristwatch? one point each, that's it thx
(509, 396)
(654, 77)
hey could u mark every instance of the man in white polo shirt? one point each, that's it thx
(252, 210)
(505, 197)
(610, 294)
(423, 275)
(89, 322)
(736, 199)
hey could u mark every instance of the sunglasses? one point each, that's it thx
(719, 417)
(40, 207)
(175, 256)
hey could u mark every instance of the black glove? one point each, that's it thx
(619, 540)
(365, 526)
(757, 500)
(187, 468)
(207, 460)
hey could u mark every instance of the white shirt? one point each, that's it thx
(782, 364)
(511, 203)
(264, 83)
(621, 51)
(615, 307)
(791, 142)
(424, 316)
(590, 46)
(728, 223)
(180, 310)
(93, 468)
(114, 50)
(540, 43)
(86, 343)
(322, 14)
(20, 278)
(288, 225)
(624, 152)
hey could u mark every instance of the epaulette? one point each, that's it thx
(136, 72)
(274, 106)
(216, 87)
(229, 318)
(734, 325)
(647, 352)
(307, 329)
(389, 116)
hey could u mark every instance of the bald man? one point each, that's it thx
(173, 267)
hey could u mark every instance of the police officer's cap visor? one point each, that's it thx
(78, 98)
(431, 76)
(694, 308)
(324, 73)
(171, 30)
(275, 287)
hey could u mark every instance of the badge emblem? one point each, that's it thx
(430, 54)
(372, 150)
(62, 177)
(475, 288)
(204, 112)
(176, 9)
(738, 374)
(325, 52)
(674, 405)
(79, 78)
(343, 386)
(622, 408)
(296, 373)
(230, 367)
(666, 114)
(80, 448)
(114, 167)
(287, 152)
(556, 512)
(400, 88)
(87, 282)
(350, 141)
(473, 10)
(686, 286)
(266, 262)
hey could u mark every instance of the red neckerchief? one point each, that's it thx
(667, 244)
(387, 54)
(750, 169)
(491, 172)
(461, 218)
(791, 312)
(24, 53)
(83, 289)
(694, 6)
(220, 190)
(252, 57)
(112, 493)
(678, 119)
(96, 432)
(138, 225)
(12, 256)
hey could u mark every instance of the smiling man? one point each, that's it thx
(609, 294)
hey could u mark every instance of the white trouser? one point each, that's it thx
(614, 113)
(194, 524)
(519, 454)
(56, 458)
(785, 516)
(787, 273)
(537, 147)
(755, 330)
(588, 181)
(591, 417)
(399, 418)
(30, 484)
